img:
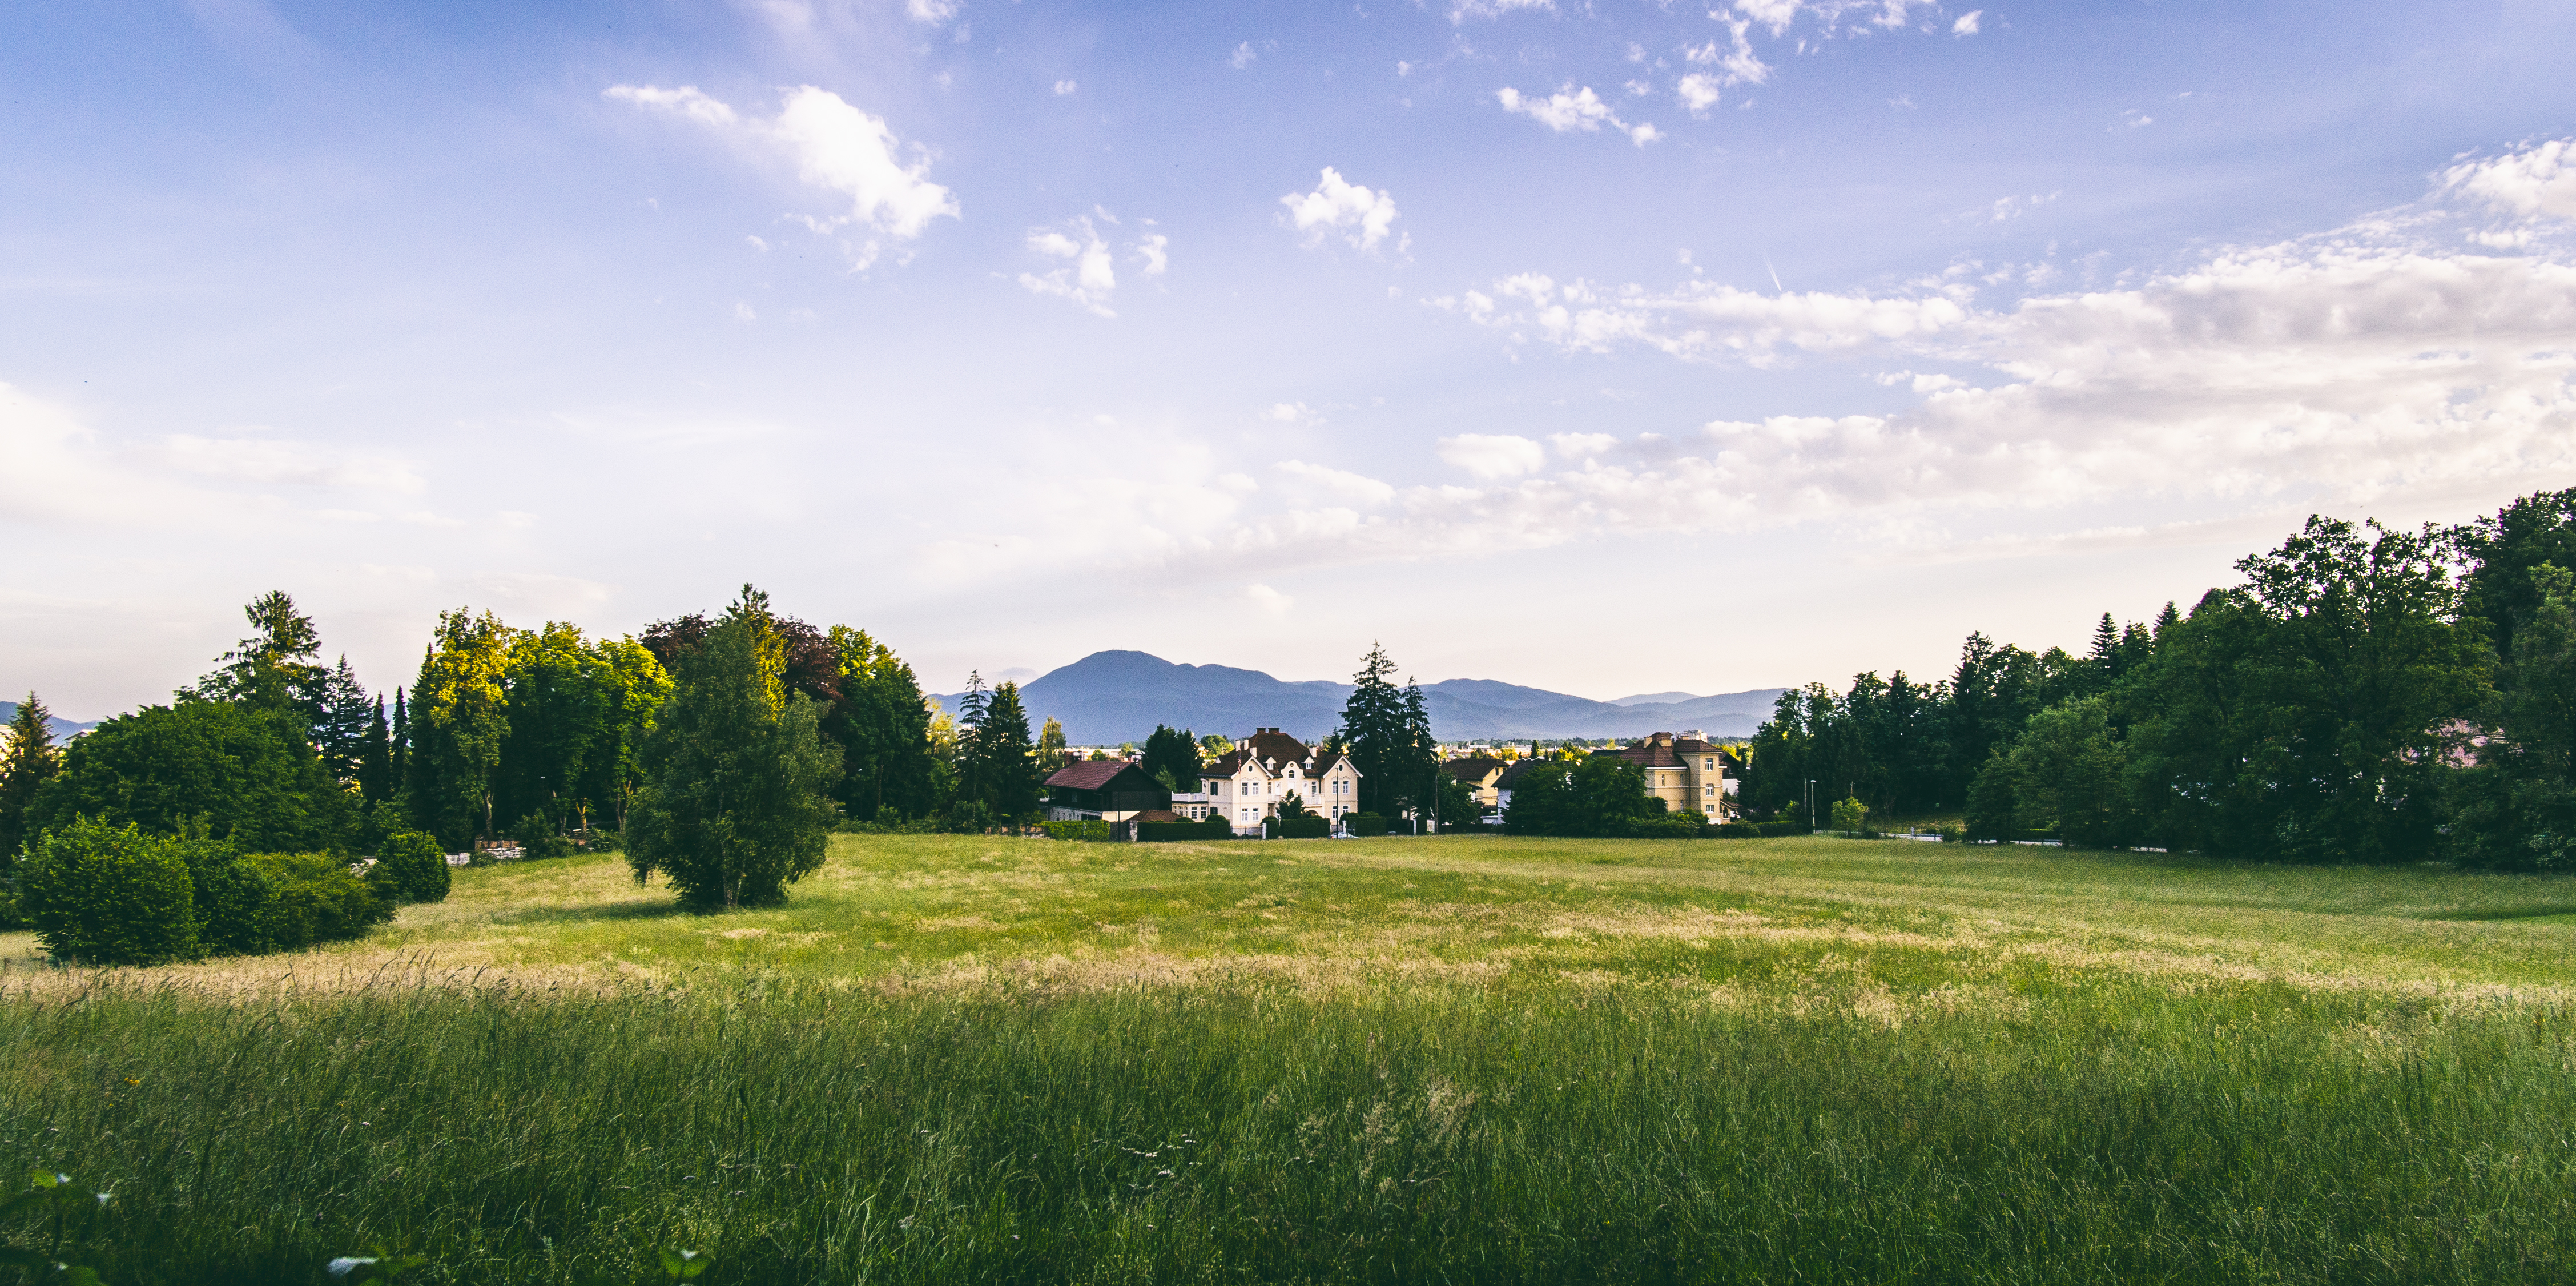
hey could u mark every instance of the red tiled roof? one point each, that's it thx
(1277, 747)
(1089, 774)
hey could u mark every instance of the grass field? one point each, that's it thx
(1462, 1059)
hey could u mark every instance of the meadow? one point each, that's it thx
(1468, 1059)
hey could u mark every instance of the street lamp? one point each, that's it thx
(1811, 803)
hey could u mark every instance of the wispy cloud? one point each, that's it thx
(1570, 110)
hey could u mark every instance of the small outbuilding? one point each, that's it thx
(1103, 790)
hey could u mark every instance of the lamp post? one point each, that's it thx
(1811, 803)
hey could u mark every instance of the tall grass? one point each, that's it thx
(2110, 1131)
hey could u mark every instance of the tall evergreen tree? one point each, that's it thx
(1374, 723)
(276, 668)
(375, 758)
(1172, 758)
(340, 722)
(27, 763)
(1007, 755)
(398, 746)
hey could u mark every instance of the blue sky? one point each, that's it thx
(1610, 347)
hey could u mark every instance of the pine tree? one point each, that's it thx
(29, 761)
(398, 747)
(340, 727)
(1009, 760)
(1389, 735)
(273, 669)
(375, 758)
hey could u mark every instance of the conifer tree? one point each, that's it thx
(29, 761)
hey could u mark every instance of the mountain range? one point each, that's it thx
(1111, 697)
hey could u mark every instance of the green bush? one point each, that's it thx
(1773, 830)
(538, 837)
(98, 894)
(319, 899)
(1737, 830)
(410, 867)
(1667, 826)
(1093, 832)
(1309, 826)
(1365, 824)
(1212, 828)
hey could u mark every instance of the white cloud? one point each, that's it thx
(686, 100)
(1087, 277)
(1064, 87)
(1288, 412)
(933, 12)
(1360, 216)
(1831, 15)
(743, 312)
(1493, 455)
(1967, 23)
(2530, 181)
(1155, 252)
(835, 146)
(1243, 56)
(1570, 109)
(1268, 601)
(1462, 10)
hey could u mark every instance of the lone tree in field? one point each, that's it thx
(733, 807)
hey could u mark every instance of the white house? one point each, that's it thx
(1249, 783)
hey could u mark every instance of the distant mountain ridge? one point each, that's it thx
(1110, 697)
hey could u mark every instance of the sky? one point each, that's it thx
(1604, 347)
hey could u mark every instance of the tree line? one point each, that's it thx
(2367, 695)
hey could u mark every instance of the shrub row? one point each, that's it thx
(99, 894)
(1094, 832)
(1307, 827)
(1365, 824)
(1212, 828)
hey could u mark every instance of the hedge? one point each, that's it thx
(1773, 830)
(103, 895)
(1093, 832)
(1667, 826)
(1212, 828)
(1365, 824)
(1307, 827)
(1737, 830)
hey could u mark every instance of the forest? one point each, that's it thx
(2367, 695)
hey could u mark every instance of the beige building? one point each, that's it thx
(1482, 774)
(1264, 769)
(1685, 770)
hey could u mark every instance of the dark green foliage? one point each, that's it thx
(2066, 773)
(997, 762)
(2516, 809)
(1172, 751)
(2309, 716)
(1386, 731)
(1308, 826)
(410, 867)
(1456, 804)
(1736, 830)
(246, 773)
(538, 837)
(376, 779)
(1364, 824)
(1599, 796)
(1668, 825)
(1775, 830)
(733, 809)
(1093, 832)
(276, 669)
(884, 726)
(27, 763)
(1212, 828)
(108, 895)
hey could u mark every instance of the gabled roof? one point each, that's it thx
(1091, 774)
(1663, 750)
(1475, 769)
(1277, 749)
(1232, 762)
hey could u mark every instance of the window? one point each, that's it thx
(1707, 792)
(1708, 764)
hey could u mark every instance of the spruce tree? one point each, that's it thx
(375, 758)
(29, 761)
(1008, 758)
